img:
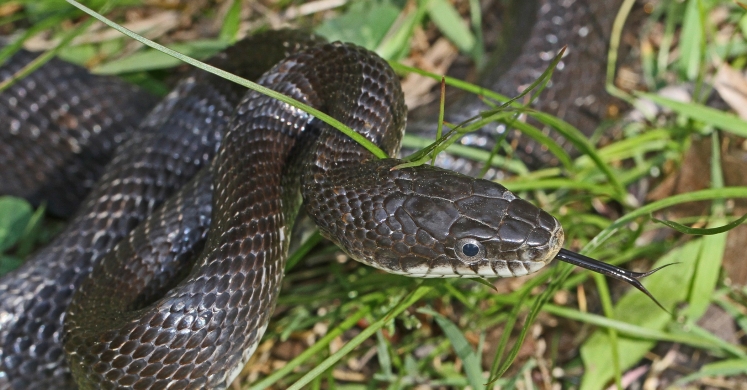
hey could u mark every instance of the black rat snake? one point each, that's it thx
(165, 320)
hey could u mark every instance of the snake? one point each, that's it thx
(168, 273)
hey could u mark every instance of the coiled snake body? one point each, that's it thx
(165, 322)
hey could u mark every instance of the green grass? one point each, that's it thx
(396, 332)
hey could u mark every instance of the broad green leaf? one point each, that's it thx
(669, 287)
(365, 23)
(15, 214)
(706, 273)
(9, 263)
(78, 54)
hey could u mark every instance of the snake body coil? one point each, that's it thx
(180, 306)
(175, 140)
(148, 331)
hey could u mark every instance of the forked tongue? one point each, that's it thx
(610, 270)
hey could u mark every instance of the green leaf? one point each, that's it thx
(691, 40)
(472, 365)
(365, 23)
(722, 368)
(396, 44)
(382, 352)
(723, 120)
(445, 16)
(636, 309)
(231, 23)
(705, 277)
(16, 214)
(9, 263)
(639, 332)
(150, 59)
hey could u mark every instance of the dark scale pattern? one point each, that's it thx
(203, 330)
(412, 221)
(182, 325)
(178, 137)
(536, 31)
(60, 127)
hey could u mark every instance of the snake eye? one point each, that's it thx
(469, 250)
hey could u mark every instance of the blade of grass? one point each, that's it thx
(533, 312)
(604, 297)
(568, 131)
(729, 367)
(382, 352)
(708, 266)
(627, 329)
(448, 20)
(514, 166)
(496, 369)
(312, 350)
(701, 231)
(691, 40)
(707, 194)
(471, 359)
(615, 37)
(39, 61)
(441, 104)
(634, 308)
(370, 146)
(722, 120)
(478, 50)
(413, 297)
(42, 25)
(231, 23)
(478, 121)
(303, 250)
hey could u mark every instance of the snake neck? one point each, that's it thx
(423, 221)
(219, 312)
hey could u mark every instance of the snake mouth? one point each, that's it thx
(536, 258)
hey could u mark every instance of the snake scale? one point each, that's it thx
(180, 247)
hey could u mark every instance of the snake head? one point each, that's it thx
(430, 222)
